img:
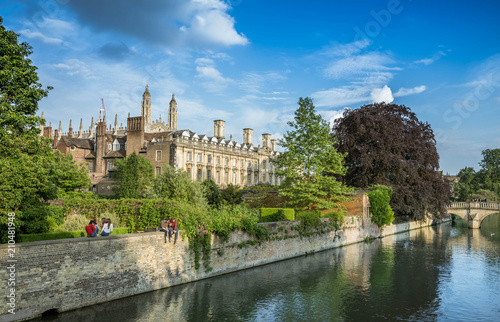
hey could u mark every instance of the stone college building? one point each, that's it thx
(202, 156)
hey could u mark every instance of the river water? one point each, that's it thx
(442, 273)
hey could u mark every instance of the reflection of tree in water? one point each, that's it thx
(404, 279)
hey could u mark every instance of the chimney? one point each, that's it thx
(266, 140)
(273, 145)
(47, 131)
(219, 129)
(247, 136)
(56, 138)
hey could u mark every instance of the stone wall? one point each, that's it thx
(72, 273)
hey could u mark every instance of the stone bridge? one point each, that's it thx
(473, 212)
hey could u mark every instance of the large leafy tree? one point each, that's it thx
(489, 174)
(386, 144)
(175, 184)
(134, 175)
(310, 161)
(29, 170)
(467, 185)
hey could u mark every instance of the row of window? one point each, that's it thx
(199, 176)
(199, 159)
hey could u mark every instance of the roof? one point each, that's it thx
(114, 154)
(81, 143)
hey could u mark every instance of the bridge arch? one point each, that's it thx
(474, 212)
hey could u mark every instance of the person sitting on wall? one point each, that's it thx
(107, 228)
(171, 228)
(91, 229)
(164, 224)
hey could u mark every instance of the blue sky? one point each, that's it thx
(248, 62)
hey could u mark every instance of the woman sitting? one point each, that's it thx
(107, 228)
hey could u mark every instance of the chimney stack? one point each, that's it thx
(247, 136)
(219, 129)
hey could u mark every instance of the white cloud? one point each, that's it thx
(211, 73)
(204, 62)
(383, 94)
(212, 27)
(434, 58)
(331, 116)
(38, 35)
(342, 96)
(346, 49)
(409, 91)
(359, 66)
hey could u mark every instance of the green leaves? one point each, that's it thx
(134, 175)
(380, 209)
(310, 161)
(20, 90)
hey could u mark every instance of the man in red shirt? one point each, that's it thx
(91, 229)
(171, 227)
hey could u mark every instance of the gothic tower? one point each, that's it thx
(146, 108)
(172, 114)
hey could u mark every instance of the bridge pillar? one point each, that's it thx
(473, 221)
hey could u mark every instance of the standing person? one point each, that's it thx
(164, 226)
(91, 229)
(107, 228)
(172, 227)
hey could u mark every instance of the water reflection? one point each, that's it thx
(435, 273)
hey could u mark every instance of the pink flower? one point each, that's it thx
(205, 231)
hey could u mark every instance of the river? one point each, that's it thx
(441, 273)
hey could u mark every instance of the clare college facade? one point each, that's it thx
(201, 156)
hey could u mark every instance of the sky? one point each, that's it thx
(249, 61)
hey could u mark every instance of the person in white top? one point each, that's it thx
(107, 228)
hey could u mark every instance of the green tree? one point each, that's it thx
(310, 161)
(468, 184)
(212, 193)
(386, 144)
(380, 197)
(175, 184)
(489, 174)
(232, 195)
(20, 90)
(134, 175)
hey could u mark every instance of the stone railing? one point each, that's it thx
(475, 205)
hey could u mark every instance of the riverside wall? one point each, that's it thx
(62, 275)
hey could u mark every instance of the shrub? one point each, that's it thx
(115, 220)
(232, 195)
(309, 218)
(75, 222)
(382, 213)
(336, 217)
(276, 214)
(42, 219)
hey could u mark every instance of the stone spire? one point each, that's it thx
(172, 114)
(146, 108)
(60, 129)
(40, 125)
(80, 131)
(91, 129)
(115, 131)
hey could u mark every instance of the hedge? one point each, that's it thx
(276, 214)
(65, 234)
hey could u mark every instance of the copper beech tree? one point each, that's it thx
(386, 144)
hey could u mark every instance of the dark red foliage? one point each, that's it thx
(388, 145)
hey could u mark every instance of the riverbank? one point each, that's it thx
(62, 275)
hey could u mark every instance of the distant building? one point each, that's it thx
(203, 157)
